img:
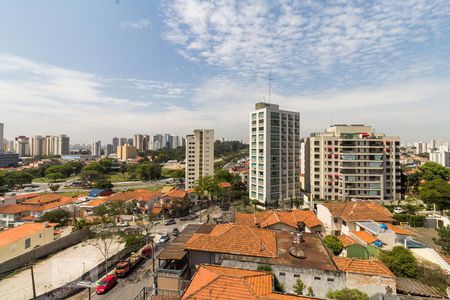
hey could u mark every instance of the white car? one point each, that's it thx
(398, 210)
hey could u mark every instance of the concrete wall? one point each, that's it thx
(197, 258)
(324, 215)
(371, 284)
(320, 280)
(17, 248)
(43, 250)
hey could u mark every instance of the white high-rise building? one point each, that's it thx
(421, 147)
(352, 161)
(22, 146)
(138, 142)
(274, 177)
(62, 145)
(441, 156)
(38, 145)
(96, 148)
(199, 156)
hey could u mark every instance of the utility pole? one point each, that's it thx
(32, 281)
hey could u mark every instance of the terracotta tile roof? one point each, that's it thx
(27, 196)
(95, 203)
(364, 236)
(140, 195)
(176, 194)
(236, 239)
(216, 282)
(268, 218)
(399, 230)
(20, 232)
(347, 240)
(43, 199)
(224, 185)
(362, 266)
(27, 218)
(359, 211)
(12, 209)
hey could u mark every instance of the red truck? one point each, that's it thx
(124, 267)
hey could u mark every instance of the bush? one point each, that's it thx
(334, 244)
(134, 240)
(347, 294)
(400, 261)
(299, 286)
(413, 220)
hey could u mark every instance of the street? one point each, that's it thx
(127, 288)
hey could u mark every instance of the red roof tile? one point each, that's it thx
(235, 239)
(359, 211)
(362, 266)
(347, 240)
(268, 218)
(364, 236)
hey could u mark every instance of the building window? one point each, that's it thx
(282, 274)
(296, 275)
(330, 279)
(316, 278)
(27, 243)
(40, 235)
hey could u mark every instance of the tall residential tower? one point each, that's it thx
(274, 155)
(352, 161)
(199, 155)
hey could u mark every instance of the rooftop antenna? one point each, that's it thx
(270, 85)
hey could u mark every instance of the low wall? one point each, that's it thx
(92, 275)
(42, 251)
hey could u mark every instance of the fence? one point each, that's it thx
(43, 251)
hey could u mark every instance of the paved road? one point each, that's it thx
(128, 288)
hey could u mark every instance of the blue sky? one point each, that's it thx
(98, 69)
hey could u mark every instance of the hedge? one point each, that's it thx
(413, 220)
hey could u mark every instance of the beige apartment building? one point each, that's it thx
(199, 155)
(125, 152)
(352, 161)
(23, 238)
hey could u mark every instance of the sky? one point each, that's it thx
(98, 69)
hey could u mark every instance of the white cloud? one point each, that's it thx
(300, 40)
(140, 24)
(43, 99)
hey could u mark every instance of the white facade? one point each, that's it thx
(22, 146)
(138, 142)
(441, 156)
(38, 146)
(199, 156)
(96, 148)
(274, 168)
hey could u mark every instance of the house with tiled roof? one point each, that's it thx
(224, 283)
(341, 217)
(42, 199)
(248, 247)
(369, 276)
(11, 213)
(23, 238)
(281, 220)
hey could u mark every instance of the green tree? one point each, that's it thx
(53, 177)
(148, 170)
(107, 164)
(54, 187)
(65, 170)
(347, 294)
(103, 183)
(400, 261)
(431, 170)
(310, 292)
(413, 182)
(88, 177)
(444, 239)
(17, 178)
(59, 216)
(436, 191)
(299, 286)
(334, 244)
(94, 166)
(134, 240)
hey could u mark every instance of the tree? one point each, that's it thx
(88, 177)
(334, 244)
(103, 183)
(444, 239)
(148, 170)
(436, 191)
(134, 240)
(347, 294)
(412, 182)
(55, 176)
(123, 169)
(107, 164)
(299, 286)
(400, 261)
(107, 243)
(54, 187)
(310, 292)
(431, 170)
(56, 216)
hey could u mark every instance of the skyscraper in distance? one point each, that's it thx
(199, 156)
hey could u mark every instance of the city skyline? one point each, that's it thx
(99, 70)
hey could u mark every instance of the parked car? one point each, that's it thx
(170, 222)
(398, 210)
(164, 239)
(107, 284)
(176, 232)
